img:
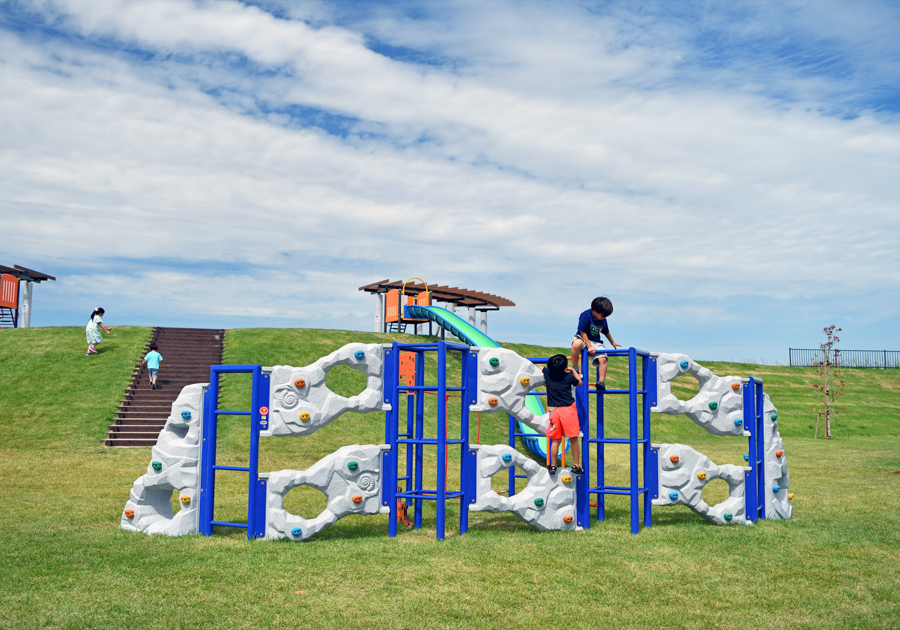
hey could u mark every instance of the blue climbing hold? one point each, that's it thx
(673, 496)
(186, 415)
(738, 422)
(360, 355)
(507, 457)
(684, 365)
(746, 457)
(296, 532)
(775, 489)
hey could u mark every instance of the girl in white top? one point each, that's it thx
(92, 331)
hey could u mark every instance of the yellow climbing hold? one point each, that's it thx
(701, 476)
(185, 499)
(304, 416)
(790, 496)
(566, 479)
(525, 381)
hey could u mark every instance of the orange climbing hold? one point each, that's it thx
(493, 402)
(129, 513)
(357, 498)
(674, 458)
(779, 453)
(735, 386)
(299, 383)
(568, 519)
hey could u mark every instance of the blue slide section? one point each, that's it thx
(467, 333)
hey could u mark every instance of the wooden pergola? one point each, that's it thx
(475, 301)
(10, 278)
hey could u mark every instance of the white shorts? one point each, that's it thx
(597, 345)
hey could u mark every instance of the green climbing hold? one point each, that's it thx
(728, 516)
(494, 361)
(539, 502)
(352, 465)
(774, 416)
(714, 405)
(157, 466)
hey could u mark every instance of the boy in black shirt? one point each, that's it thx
(559, 379)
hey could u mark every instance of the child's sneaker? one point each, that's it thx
(601, 386)
(551, 470)
(577, 470)
(152, 385)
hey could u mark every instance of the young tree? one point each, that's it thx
(832, 386)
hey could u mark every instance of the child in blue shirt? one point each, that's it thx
(591, 323)
(152, 360)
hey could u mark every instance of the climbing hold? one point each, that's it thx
(746, 457)
(673, 496)
(494, 361)
(568, 519)
(779, 453)
(774, 416)
(790, 496)
(157, 466)
(738, 422)
(674, 459)
(360, 355)
(776, 488)
(296, 532)
(352, 465)
(525, 381)
(357, 498)
(684, 365)
(507, 457)
(566, 479)
(539, 502)
(735, 386)
(186, 415)
(493, 402)
(701, 475)
(185, 499)
(304, 416)
(727, 516)
(713, 405)
(300, 383)
(129, 513)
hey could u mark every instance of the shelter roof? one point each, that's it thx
(23, 273)
(443, 293)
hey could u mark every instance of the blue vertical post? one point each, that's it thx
(648, 398)
(751, 484)
(390, 460)
(420, 434)
(633, 438)
(760, 448)
(441, 439)
(254, 451)
(464, 472)
(511, 471)
(208, 454)
(601, 452)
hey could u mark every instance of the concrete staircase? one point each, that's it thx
(187, 355)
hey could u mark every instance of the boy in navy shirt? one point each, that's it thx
(559, 379)
(591, 323)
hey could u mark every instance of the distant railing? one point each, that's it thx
(802, 357)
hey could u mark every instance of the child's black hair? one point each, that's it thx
(602, 305)
(97, 311)
(557, 365)
(154, 347)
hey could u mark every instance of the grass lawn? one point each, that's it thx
(66, 564)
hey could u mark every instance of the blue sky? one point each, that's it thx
(727, 173)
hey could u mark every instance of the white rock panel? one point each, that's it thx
(501, 382)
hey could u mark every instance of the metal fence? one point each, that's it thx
(803, 357)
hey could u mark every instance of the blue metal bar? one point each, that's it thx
(227, 524)
(420, 433)
(255, 421)
(442, 438)
(760, 448)
(241, 468)
(207, 477)
(464, 471)
(390, 459)
(648, 382)
(513, 434)
(615, 441)
(220, 412)
(601, 450)
(431, 441)
(617, 391)
(633, 434)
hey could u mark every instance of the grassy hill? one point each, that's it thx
(68, 565)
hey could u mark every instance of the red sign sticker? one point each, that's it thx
(263, 411)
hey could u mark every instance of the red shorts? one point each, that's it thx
(563, 421)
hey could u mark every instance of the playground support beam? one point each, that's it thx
(379, 313)
(484, 322)
(25, 311)
(472, 316)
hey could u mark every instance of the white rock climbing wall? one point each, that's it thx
(683, 472)
(504, 378)
(351, 480)
(300, 402)
(718, 408)
(174, 466)
(547, 502)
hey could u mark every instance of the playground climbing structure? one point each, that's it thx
(289, 401)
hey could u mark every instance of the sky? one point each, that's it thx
(727, 173)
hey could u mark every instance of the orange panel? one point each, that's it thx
(424, 298)
(408, 369)
(9, 291)
(392, 306)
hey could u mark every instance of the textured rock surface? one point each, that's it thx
(718, 408)
(348, 473)
(302, 410)
(177, 455)
(503, 383)
(545, 502)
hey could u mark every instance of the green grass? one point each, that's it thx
(66, 564)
